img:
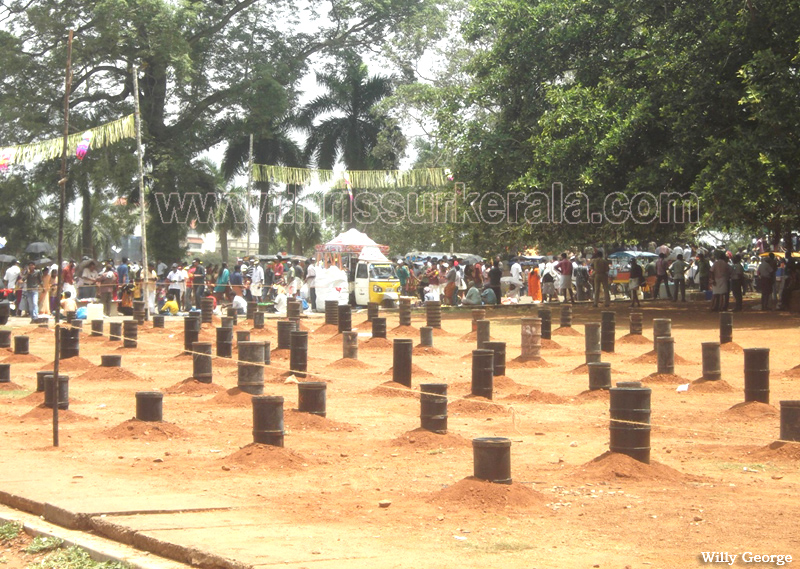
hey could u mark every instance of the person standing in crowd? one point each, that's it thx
(549, 282)
(107, 283)
(535, 285)
(123, 276)
(766, 276)
(423, 281)
(269, 281)
(636, 276)
(600, 268)
(719, 275)
(256, 281)
(198, 282)
(737, 281)
(777, 287)
(237, 281)
(451, 288)
(516, 274)
(68, 278)
(402, 275)
(88, 281)
(678, 272)
(221, 286)
(311, 283)
(564, 268)
(495, 274)
(703, 269)
(580, 274)
(661, 275)
(11, 277)
(175, 277)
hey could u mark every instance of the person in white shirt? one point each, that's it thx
(279, 303)
(516, 274)
(187, 302)
(176, 279)
(12, 275)
(256, 280)
(311, 279)
(239, 304)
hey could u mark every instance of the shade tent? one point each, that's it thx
(351, 241)
(631, 254)
(416, 256)
(373, 255)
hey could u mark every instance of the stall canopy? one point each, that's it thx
(351, 241)
(372, 254)
(629, 254)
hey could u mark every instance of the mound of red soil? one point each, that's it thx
(565, 331)
(548, 344)
(778, 450)
(282, 354)
(297, 421)
(22, 359)
(634, 339)
(478, 494)
(669, 378)
(348, 363)
(148, 430)
(233, 397)
(752, 410)
(403, 331)
(393, 389)
(191, 386)
(537, 396)
(335, 339)
(267, 457)
(522, 363)
(365, 325)
(731, 348)
(652, 358)
(475, 406)
(327, 329)
(792, 373)
(592, 395)
(35, 398)
(612, 466)
(420, 350)
(45, 415)
(711, 386)
(10, 386)
(77, 363)
(415, 371)
(582, 369)
(98, 373)
(376, 343)
(423, 439)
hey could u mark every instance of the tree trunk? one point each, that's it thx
(223, 244)
(87, 245)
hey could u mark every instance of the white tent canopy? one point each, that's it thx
(373, 255)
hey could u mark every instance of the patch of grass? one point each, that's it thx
(16, 393)
(74, 558)
(40, 544)
(9, 531)
(499, 546)
(740, 466)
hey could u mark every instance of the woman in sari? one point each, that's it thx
(44, 296)
(535, 285)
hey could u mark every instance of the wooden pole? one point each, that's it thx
(249, 192)
(140, 157)
(62, 182)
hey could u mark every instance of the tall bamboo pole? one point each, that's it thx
(139, 155)
(62, 182)
(249, 192)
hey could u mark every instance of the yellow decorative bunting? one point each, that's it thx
(102, 135)
(377, 179)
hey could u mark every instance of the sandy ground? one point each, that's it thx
(717, 483)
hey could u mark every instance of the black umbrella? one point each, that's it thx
(7, 258)
(44, 261)
(39, 247)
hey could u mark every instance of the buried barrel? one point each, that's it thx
(294, 308)
(725, 327)
(345, 322)
(227, 322)
(756, 374)
(111, 360)
(665, 355)
(69, 346)
(258, 320)
(252, 308)
(531, 338)
(62, 390)
(40, 375)
(636, 324)
(201, 362)
(242, 336)
(379, 327)
(661, 327)
(350, 345)
(285, 329)
(332, 312)
(433, 407)
(405, 311)
(482, 373)
(546, 316)
(139, 311)
(608, 329)
(566, 316)
(97, 328)
(426, 336)
(5, 338)
(482, 332)
(224, 342)
(402, 350)
(312, 397)
(250, 372)
(491, 458)
(158, 321)
(790, 421)
(268, 420)
(599, 375)
(5, 373)
(298, 353)
(592, 342)
(233, 314)
(630, 420)
(433, 313)
(499, 350)
(150, 406)
(191, 332)
(477, 314)
(711, 360)
(206, 310)
(373, 310)
(130, 333)
(115, 331)
(21, 345)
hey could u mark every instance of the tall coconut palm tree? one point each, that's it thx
(273, 146)
(229, 216)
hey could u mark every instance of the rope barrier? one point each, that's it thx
(511, 409)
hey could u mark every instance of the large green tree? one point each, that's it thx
(202, 66)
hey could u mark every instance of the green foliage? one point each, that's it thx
(75, 558)
(43, 543)
(9, 531)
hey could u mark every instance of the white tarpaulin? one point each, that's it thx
(331, 284)
(372, 255)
